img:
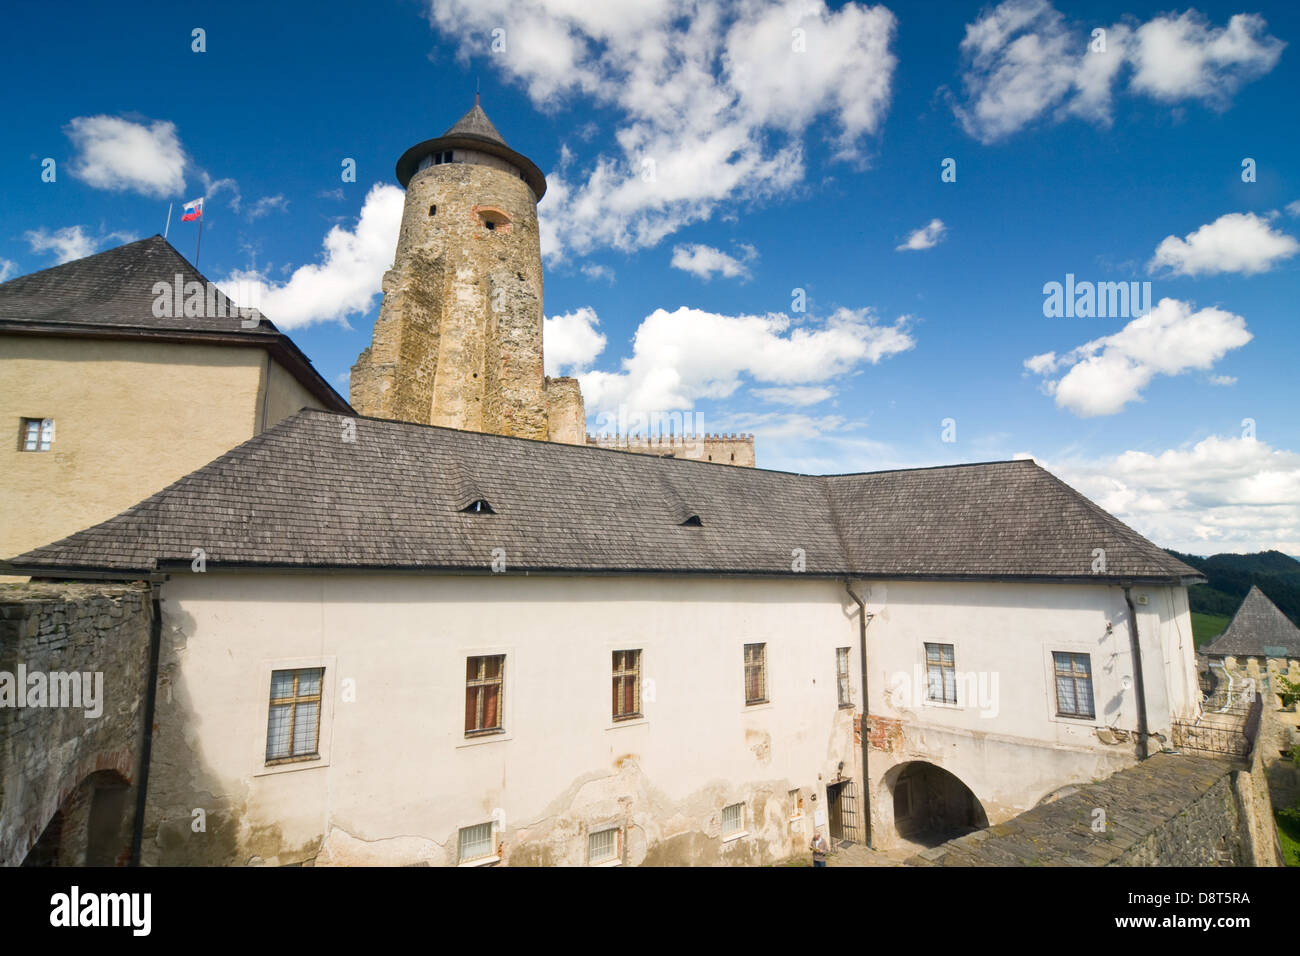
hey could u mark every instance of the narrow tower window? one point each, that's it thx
(433, 210)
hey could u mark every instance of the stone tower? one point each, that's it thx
(458, 341)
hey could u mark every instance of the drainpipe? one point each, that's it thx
(1139, 688)
(146, 742)
(863, 618)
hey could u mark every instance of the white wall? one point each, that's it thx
(1004, 738)
(397, 777)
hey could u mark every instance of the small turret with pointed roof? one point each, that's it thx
(470, 139)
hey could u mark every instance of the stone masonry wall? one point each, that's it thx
(48, 753)
(458, 342)
(732, 449)
(566, 418)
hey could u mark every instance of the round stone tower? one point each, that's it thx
(458, 341)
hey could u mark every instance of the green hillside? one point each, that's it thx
(1229, 577)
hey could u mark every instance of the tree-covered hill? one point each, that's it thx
(1230, 576)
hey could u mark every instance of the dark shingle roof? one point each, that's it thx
(114, 288)
(300, 495)
(475, 123)
(1258, 629)
(112, 294)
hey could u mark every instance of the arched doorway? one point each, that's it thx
(931, 805)
(91, 828)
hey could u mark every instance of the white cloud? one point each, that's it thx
(570, 342)
(711, 100)
(800, 395)
(1293, 208)
(704, 261)
(70, 242)
(8, 269)
(1236, 242)
(1023, 62)
(1183, 57)
(683, 356)
(1220, 494)
(1107, 373)
(345, 283)
(927, 237)
(118, 154)
(266, 205)
(593, 271)
(1223, 380)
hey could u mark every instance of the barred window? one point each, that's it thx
(1073, 685)
(842, 675)
(475, 843)
(37, 434)
(627, 684)
(603, 846)
(796, 804)
(755, 673)
(293, 727)
(484, 690)
(941, 673)
(733, 819)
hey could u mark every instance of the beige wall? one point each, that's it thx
(398, 778)
(130, 418)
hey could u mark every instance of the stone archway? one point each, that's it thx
(92, 827)
(932, 805)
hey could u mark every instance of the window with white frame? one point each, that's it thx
(603, 846)
(796, 804)
(940, 673)
(293, 725)
(842, 676)
(36, 434)
(733, 820)
(1073, 685)
(475, 843)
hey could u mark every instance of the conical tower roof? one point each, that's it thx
(474, 132)
(475, 123)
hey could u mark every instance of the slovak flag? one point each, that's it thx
(193, 210)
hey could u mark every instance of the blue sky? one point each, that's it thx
(795, 145)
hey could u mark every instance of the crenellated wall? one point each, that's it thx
(727, 449)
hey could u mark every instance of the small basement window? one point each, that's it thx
(479, 506)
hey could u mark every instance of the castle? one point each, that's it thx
(458, 341)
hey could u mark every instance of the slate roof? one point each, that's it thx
(110, 294)
(1258, 629)
(300, 495)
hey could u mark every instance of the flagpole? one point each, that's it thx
(169, 220)
(199, 243)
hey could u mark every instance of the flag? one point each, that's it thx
(193, 210)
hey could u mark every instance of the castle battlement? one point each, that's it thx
(732, 448)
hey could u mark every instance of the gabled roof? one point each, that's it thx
(111, 295)
(299, 495)
(1258, 629)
